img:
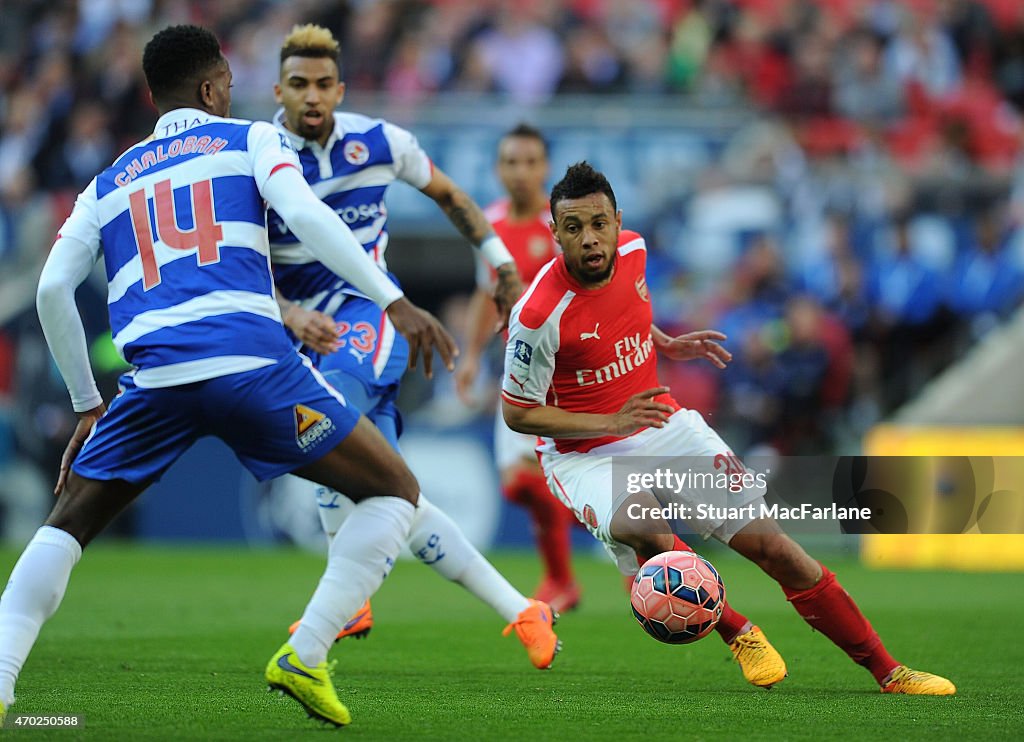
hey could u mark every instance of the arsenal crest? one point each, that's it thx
(641, 288)
(538, 247)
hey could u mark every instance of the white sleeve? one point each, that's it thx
(529, 362)
(84, 222)
(319, 228)
(411, 163)
(270, 151)
(69, 263)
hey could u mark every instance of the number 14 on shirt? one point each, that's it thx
(204, 236)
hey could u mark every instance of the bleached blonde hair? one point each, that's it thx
(311, 40)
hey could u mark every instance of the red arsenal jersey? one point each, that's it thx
(530, 242)
(584, 350)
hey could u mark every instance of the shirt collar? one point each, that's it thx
(181, 119)
(298, 142)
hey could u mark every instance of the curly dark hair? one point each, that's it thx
(581, 180)
(524, 130)
(177, 57)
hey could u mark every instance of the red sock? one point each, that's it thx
(732, 623)
(828, 608)
(552, 523)
(679, 545)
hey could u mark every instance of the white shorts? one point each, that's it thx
(584, 481)
(510, 447)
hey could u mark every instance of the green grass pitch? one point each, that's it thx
(170, 643)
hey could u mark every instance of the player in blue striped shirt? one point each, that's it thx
(179, 223)
(350, 160)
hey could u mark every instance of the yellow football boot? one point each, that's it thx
(762, 665)
(917, 683)
(310, 686)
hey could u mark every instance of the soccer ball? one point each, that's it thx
(677, 597)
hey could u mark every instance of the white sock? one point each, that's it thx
(32, 595)
(361, 555)
(333, 507)
(437, 542)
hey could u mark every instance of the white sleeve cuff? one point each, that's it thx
(495, 252)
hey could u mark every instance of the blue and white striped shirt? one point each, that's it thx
(351, 174)
(181, 224)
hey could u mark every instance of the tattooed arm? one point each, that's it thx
(469, 219)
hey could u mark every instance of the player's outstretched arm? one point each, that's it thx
(467, 217)
(326, 235)
(639, 411)
(67, 266)
(334, 245)
(692, 345)
(481, 320)
(425, 334)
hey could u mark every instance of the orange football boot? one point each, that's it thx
(358, 626)
(534, 627)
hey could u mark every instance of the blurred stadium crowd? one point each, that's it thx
(873, 201)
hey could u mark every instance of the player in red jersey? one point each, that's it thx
(522, 221)
(580, 372)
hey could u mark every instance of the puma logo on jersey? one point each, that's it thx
(591, 335)
(521, 384)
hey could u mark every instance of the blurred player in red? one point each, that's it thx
(522, 221)
(581, 372)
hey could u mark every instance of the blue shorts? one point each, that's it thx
(368, 367)
(276, 419)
